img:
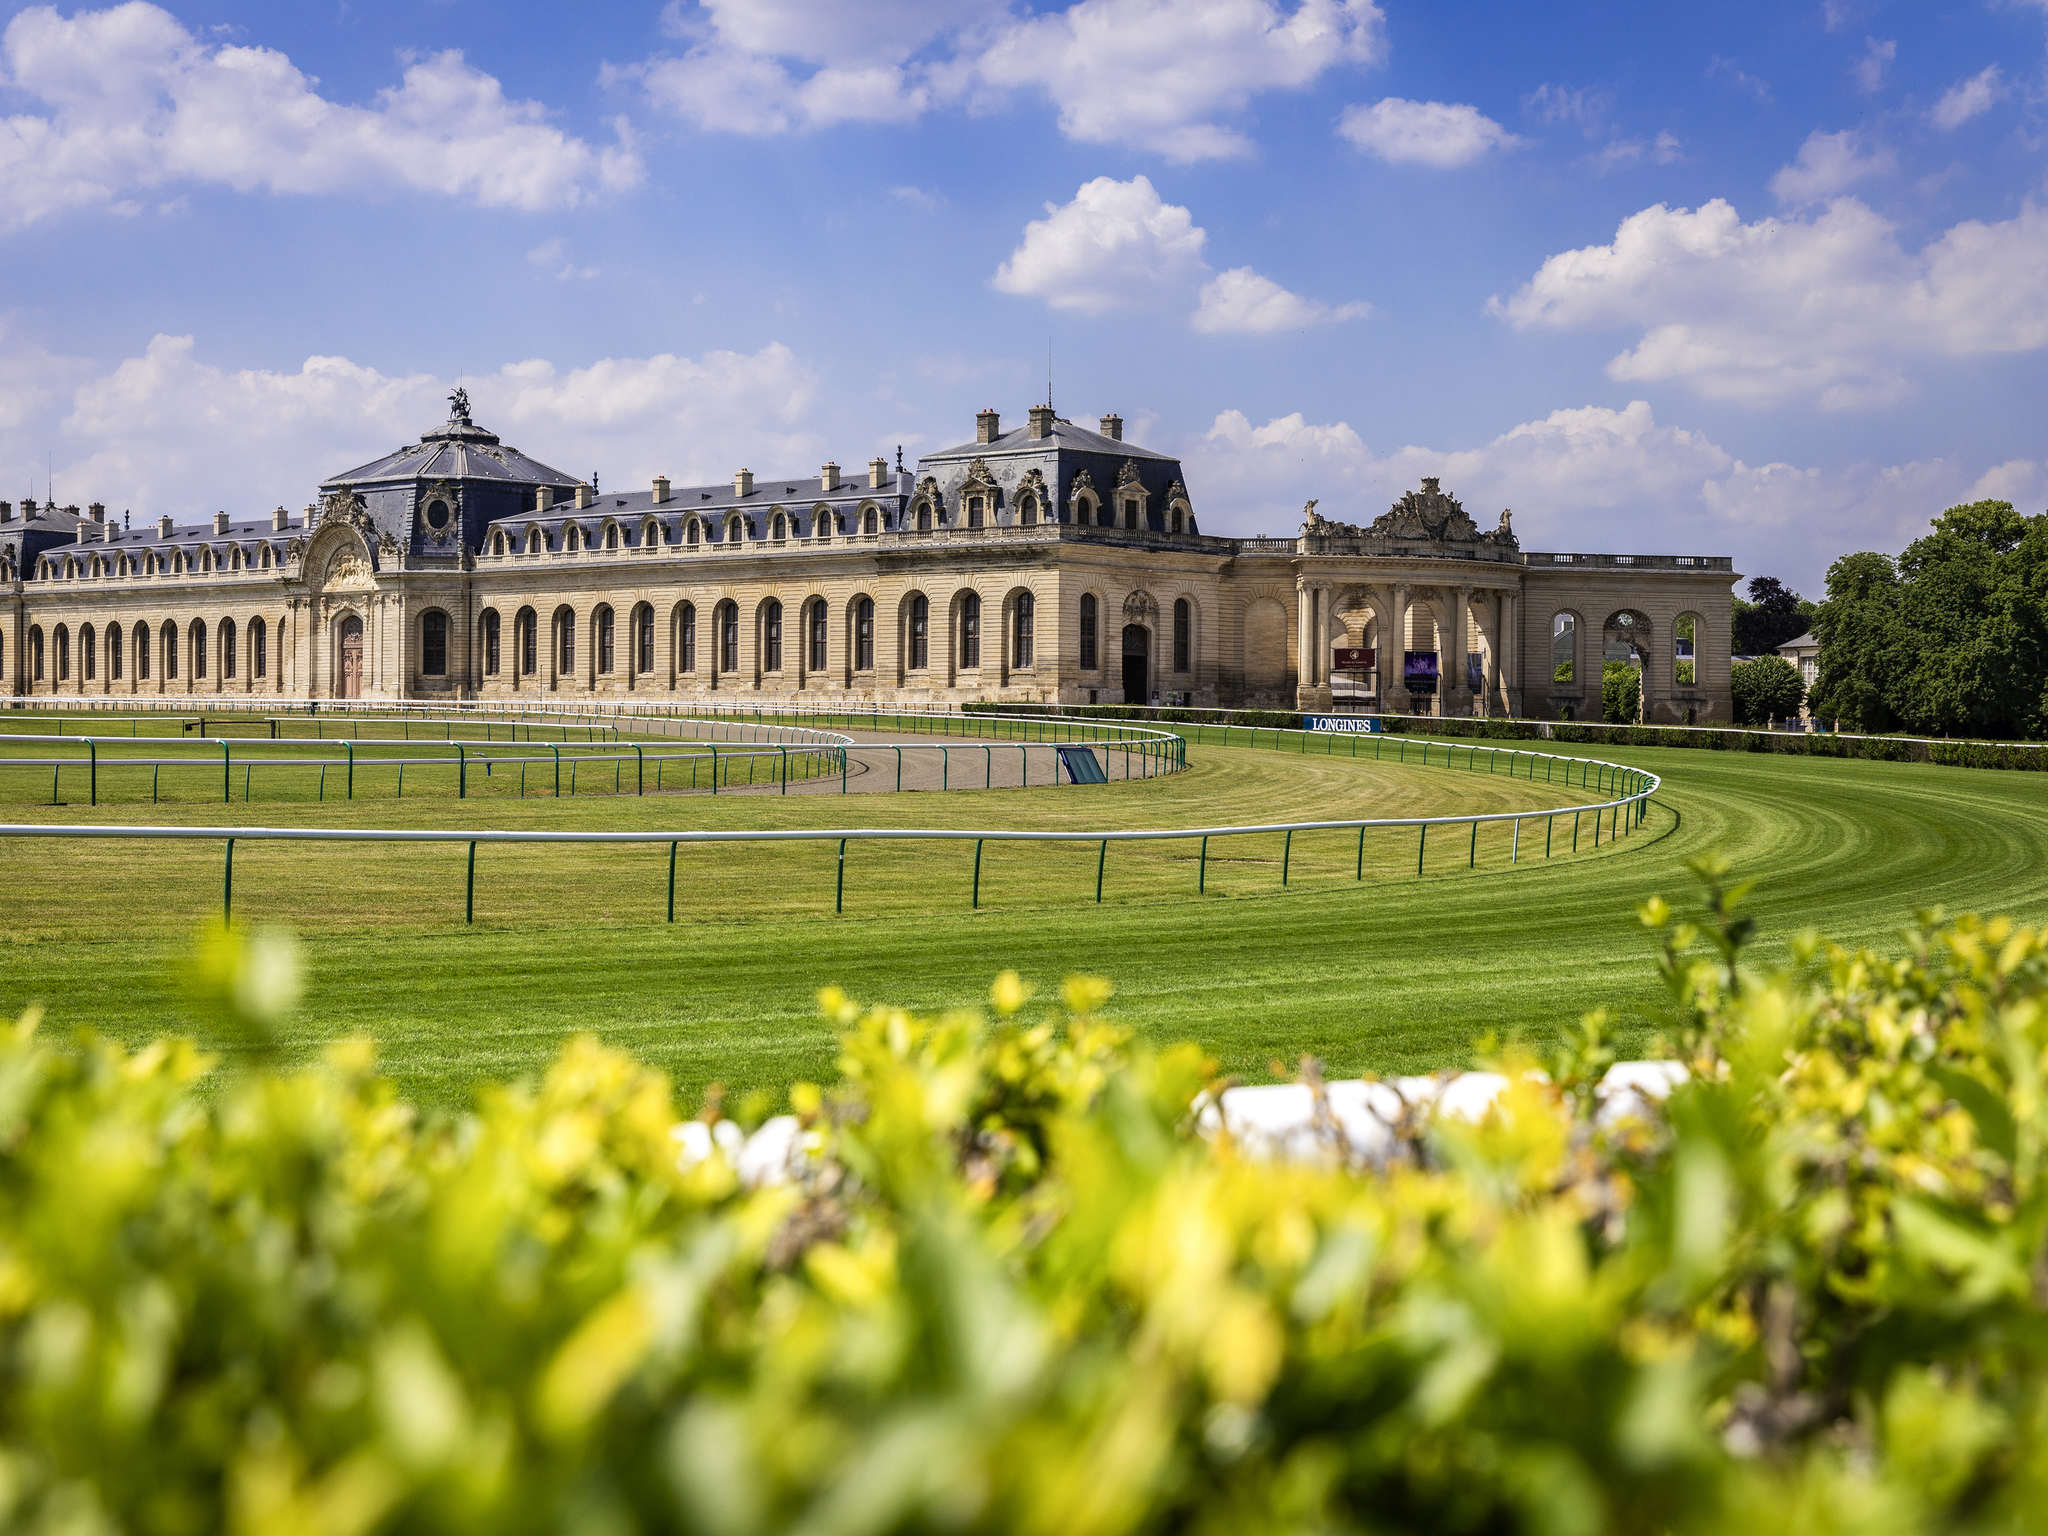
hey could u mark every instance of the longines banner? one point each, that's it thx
(1353, 725)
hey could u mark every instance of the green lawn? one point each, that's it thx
(1390, 973)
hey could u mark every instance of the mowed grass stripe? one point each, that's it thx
(1391, 974)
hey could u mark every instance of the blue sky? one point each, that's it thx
(1763, 280)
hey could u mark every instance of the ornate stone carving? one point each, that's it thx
(458, 408)
(1139, 607)
(1127, 476)
(1313, 522)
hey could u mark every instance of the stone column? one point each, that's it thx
(1453, 696)
(1510, 653)
(1394, 697)
(1304, 646)
(1326, 639)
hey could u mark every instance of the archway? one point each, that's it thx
(348, 670)
(1137, 664)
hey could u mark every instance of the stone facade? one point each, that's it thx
(1050, 564)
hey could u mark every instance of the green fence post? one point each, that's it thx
(1202, 876)
(1515, 847)
(1549, 823)
(469, 886)
(350, 748)
(1361, 854)
(248, 773)
(558, 772)
(401, 778)
(227, 772)
(976, 903)
(1472, 862)
(713, 745)
(92, 751)
(461, 771)
(1421, 844)
(1286, 855)
(839, 889)
(672, 880)
(988, 767)
(1575, 830)
(227, 885)
(1101, 859)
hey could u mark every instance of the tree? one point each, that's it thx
(1773, 615)
(1951, 639)
(1621, 692)
(1766, 689)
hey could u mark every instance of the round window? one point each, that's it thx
(437, 515)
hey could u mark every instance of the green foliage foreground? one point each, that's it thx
(1014, 1290)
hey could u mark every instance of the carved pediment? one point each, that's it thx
(1139, 606)
(1127, 476)
(1430, 513)
(1083, 484)
(978, 477)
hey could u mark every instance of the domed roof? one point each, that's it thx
(457, 450)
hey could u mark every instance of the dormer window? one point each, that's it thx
(611, 536)
(735, 530)
(781, 528)
(1130, 511)
(533, 541)
(690, 533)
(974, 512)
(438, 515)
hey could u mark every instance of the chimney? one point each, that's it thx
(6, 511)
(543, 498)
(163, 526)
(584, 497)
(97, 512)
(220, 522)
(109, 532)
(660, 489)
(1041, 422)
(28, 509)
(743, 482)
(988, 426)
(1113, 427)
(280, 520)
(828, 477)
(878, 473)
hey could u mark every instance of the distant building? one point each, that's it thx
(1053, 562)
(1804, 653)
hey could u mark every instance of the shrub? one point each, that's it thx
(1010, 1290)
(1621, 692)
(1766, 689)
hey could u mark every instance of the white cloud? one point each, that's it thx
(1159, 75)
(1119, 245)
(2023, 482)
(1828, 165)
(920, 198)
(1827, 308)
(1437, 134)
(154, 432)
(1588, 108)
(552, 257)
(1620, 154)
(128, 103)
(1241, 302)
(1968, 99)
(1591, 478)
(1869, 70)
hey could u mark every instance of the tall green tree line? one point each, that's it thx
(1950, 639)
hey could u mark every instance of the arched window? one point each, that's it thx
(114, 649)
(686, 636)
(227, 648)
(35, 653)
(565, 642)
(863, 634)
(88, 655)
(1183, 635)
(1685, 665)
(867, 521)
(1023, 630)
(771, 636)
(974, 511)
(1564, 649)
(434, 643)
(728, 637)
(198, 649)
(525, 643)
(533, 541)
(643, 640)
(690, 533)
(924, 516)
(1027, 511)
(259, 649)
(63, 654)
(611, 535)
(498, 542)
(815, 629)
(735, 529)
(1088, 631)
(487, 640)
(920, 632)
(170, 652)
(821, 526)
(601, 625)
(265, 557)
(970, 631)
(142, 652)
(781, 528)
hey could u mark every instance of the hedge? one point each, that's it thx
(2019, 756)
(1012, 1290)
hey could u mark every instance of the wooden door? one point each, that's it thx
(351, 685)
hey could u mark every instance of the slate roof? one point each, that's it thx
(1064, 435)
(457, 451)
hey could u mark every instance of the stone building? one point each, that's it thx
(1049, 563)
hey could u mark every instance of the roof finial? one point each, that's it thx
(899, 458)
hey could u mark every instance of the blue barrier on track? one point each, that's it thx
(1082, 765)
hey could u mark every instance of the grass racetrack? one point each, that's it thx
(1389, 973)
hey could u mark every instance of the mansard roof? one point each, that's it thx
(458, 450)
(1064, 435)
